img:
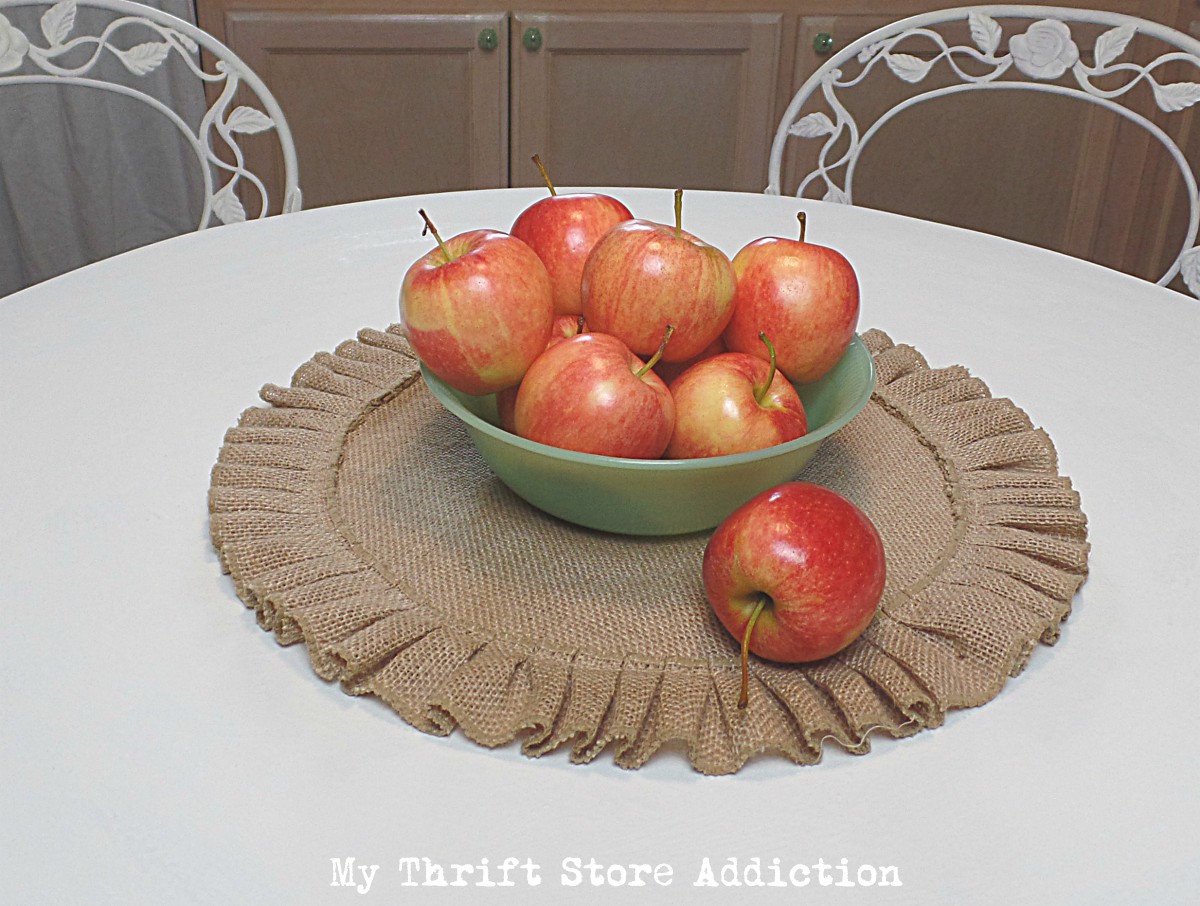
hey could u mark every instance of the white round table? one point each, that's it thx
(157, 747)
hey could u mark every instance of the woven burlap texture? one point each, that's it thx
(354, 515)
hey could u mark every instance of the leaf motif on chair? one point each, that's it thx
(1189, 268)
(1112, 44)
(247, 120)
(868, 53)
(985, 31)
(908, 67)
(812, 126)
(143, 58)
(1176, 95)
(186, 40)
(836, 195)
(58, 21)
(226, 205)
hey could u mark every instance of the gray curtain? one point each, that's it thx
(85, 174)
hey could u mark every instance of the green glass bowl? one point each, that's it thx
(657, 496)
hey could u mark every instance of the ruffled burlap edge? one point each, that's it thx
(1017, 556)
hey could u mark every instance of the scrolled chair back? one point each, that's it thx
(1040, 54)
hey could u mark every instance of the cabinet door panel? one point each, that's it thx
(383, 104)
(645, 99)
(1036, 167)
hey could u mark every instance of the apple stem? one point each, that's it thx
(580, 324)
(760, 392)
(537, 159)
(803, 218)
(430, 228)
(641, 372)
(678, 213)
(744, 698)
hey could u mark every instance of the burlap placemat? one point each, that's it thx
(354, 515)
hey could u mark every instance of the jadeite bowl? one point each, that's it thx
(658, 496)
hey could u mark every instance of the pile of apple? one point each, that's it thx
(606, 334)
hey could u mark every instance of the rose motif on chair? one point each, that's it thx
(1045, 51)
(13, 46)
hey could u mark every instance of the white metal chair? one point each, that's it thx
(1042, 58)
(143, 39)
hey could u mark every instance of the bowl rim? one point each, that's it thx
(442, 391)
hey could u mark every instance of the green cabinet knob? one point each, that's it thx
(488, 39)
(823, 43)
(532, 39)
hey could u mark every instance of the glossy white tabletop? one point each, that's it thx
(157, 747)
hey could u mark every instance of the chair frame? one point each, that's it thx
(1046, 74)
(222, 178)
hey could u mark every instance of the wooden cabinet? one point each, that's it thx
(645, 99)
(387, 97)
(384, 102)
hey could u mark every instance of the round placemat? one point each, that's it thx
(354, 514)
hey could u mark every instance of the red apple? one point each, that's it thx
(564, 327)
(477, 309)
(592, 395)
(796, 573)
(562, 229)
(642, 276)
(733, 403)
(803, 295)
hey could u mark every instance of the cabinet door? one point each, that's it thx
(1039, 168)
(382, 104)
(644, 99)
